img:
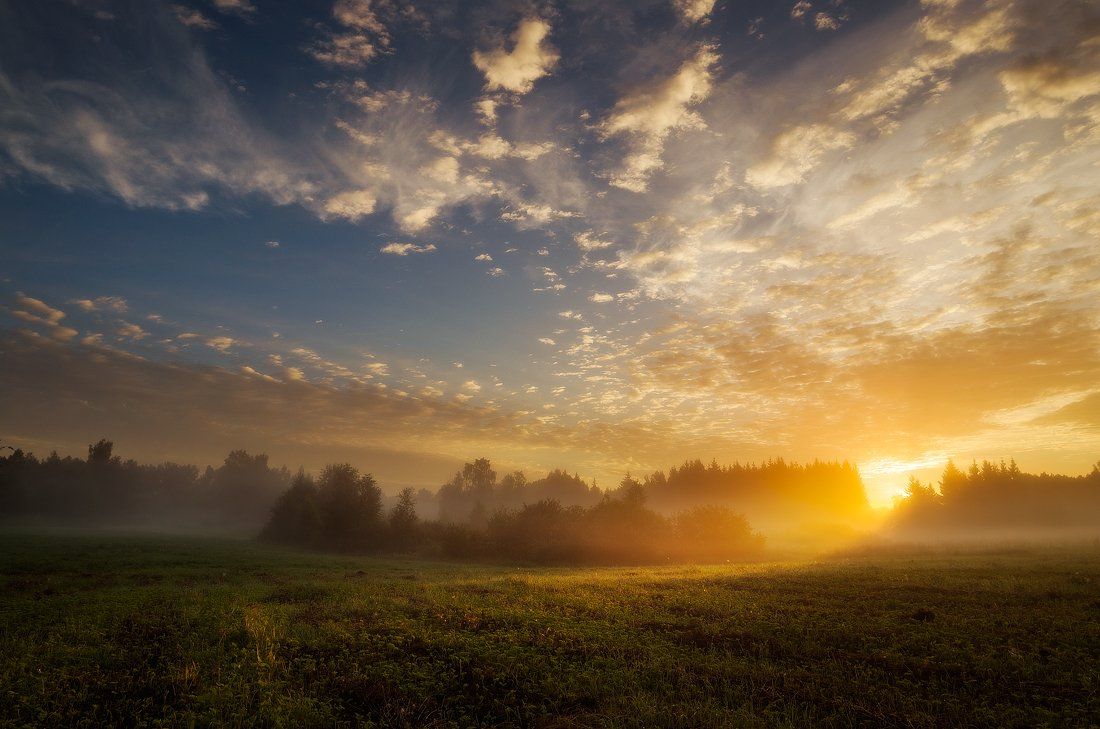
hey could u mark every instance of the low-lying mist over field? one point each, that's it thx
(691, 512)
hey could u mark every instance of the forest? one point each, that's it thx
(104, 489)
(691, 513)
(998, 500)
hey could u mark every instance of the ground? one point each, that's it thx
(138, 630)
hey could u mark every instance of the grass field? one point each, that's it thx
(113, 630)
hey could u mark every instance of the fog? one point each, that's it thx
(692, 512)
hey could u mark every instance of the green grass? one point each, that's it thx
(187, 632)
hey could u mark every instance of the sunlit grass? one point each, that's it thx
(107, 630)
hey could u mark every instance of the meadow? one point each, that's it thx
(99, 630)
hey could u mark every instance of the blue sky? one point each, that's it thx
(606, 236)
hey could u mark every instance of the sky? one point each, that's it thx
(595, 235)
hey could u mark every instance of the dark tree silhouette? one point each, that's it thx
(351, 507)
(296, 518)
(404, 523)
(104, 489)
(1000, 500)
(100, 452)
(244, 487)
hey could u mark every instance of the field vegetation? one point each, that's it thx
(110, 630)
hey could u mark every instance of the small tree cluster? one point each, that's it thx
(341, 510)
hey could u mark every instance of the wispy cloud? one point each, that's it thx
(650, 113)
(235, 7)
(404, 249)
(193, 18)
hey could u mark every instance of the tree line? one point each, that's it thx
(774, 491)
(342, 509)
(104, 489)
(695, 511)
(998, 499)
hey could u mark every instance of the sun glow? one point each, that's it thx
(885, 477)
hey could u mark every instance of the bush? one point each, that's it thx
(714, 533)
(296, 518)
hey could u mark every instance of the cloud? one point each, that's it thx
(38, 313)
(192, 413)
(486, 108)
(694, 11)
(235, 7)
(168, 137)
(63, 333)
(444, 169)
(488, 146)
(247, 370)
(350, 205)
(589, 241)
(222, 344)
(530, 59)
(377, 369)
(534, 213)
(39, 309)
(175, 137)
(483, 257)
(1045, 87)
(1080, 410)
(404, 249)
(345, 49)
(115, 304)
(795, 152)
(601, 298)
(886, 200)
(944, 38)
(652, 112)
(547, 340)
(193, 18)
(365, 36)
(127, 330)
(493, 146)
(869, 101)
(359, 14)
(401, 153)
(418, 218)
